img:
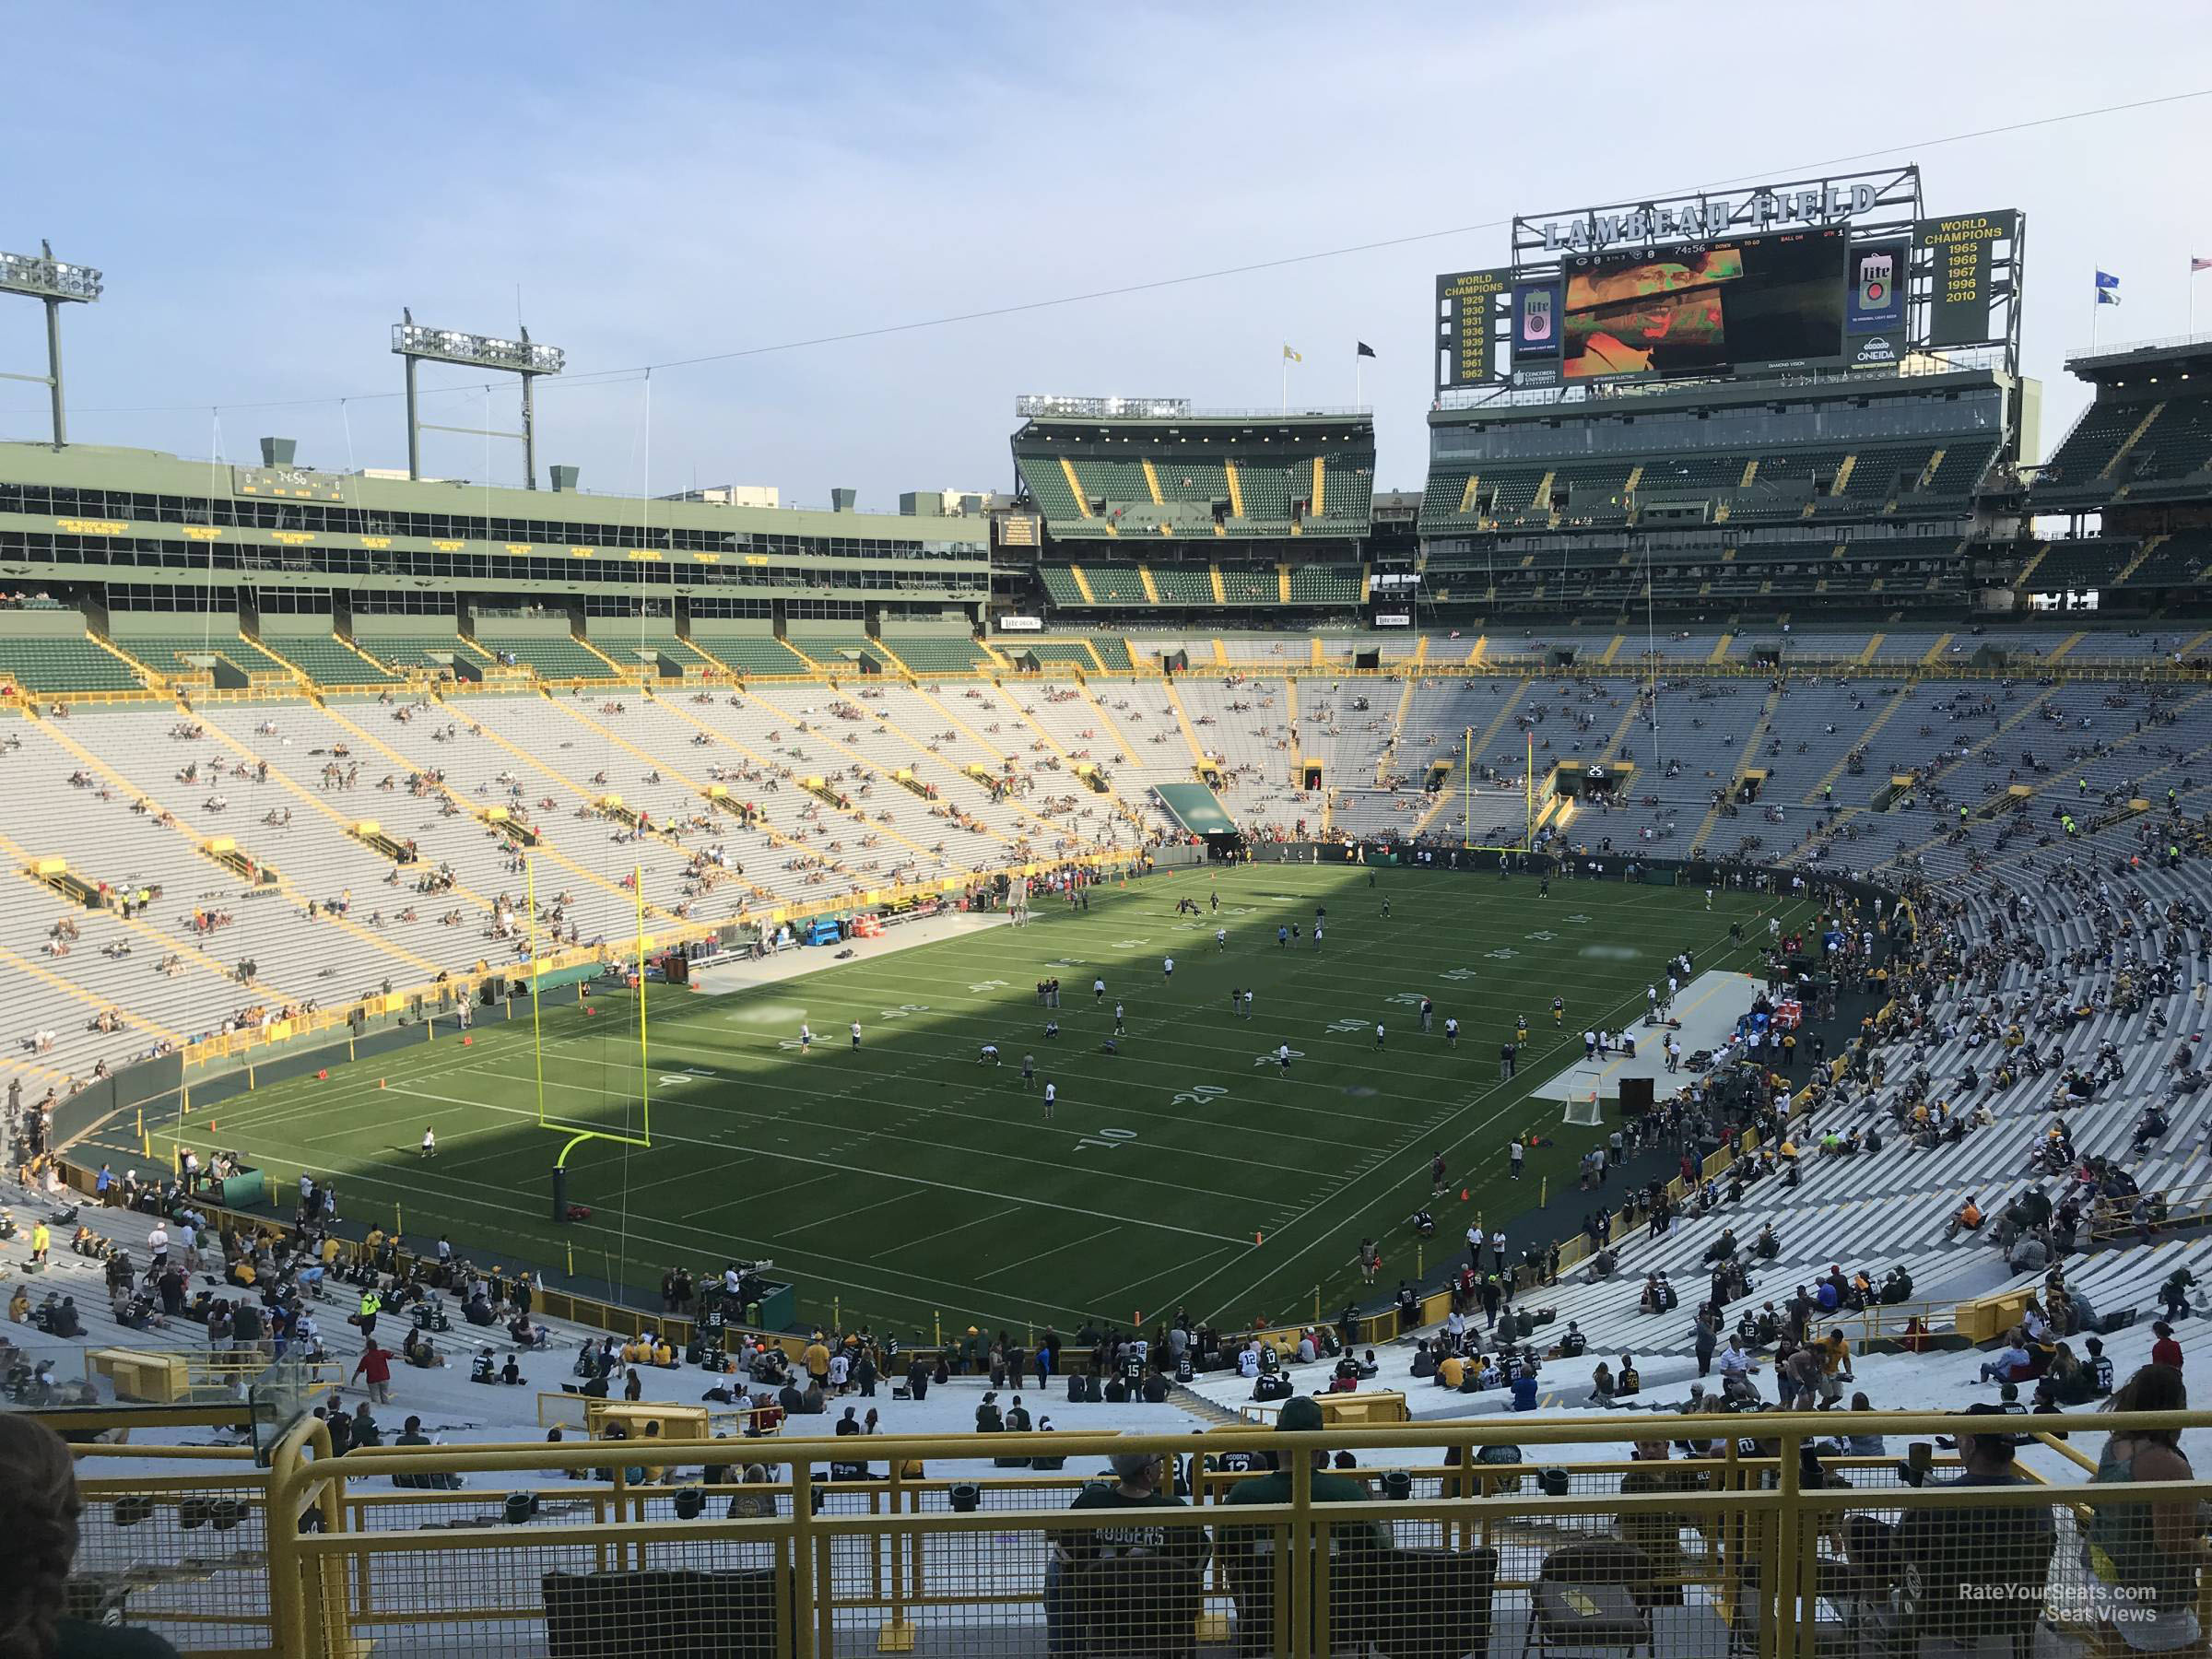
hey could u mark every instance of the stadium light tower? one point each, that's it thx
(41, 276)
(416, 343)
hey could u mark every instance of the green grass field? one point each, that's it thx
(905, 1183)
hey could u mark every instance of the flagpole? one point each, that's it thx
(1285, 381)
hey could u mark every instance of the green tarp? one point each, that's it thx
(1198, 808)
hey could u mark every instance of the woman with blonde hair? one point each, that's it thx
(39, 1476)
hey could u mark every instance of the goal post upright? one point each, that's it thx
(538, 1029)
(1528, 786)
(578, 1135)
(644, 1068)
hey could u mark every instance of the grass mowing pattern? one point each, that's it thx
(908, 1180)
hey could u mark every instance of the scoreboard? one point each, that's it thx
(1706, 289)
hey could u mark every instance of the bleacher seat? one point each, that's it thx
(1117, 585)
(64, 664)
(1324, 584)
(748, 652)
(326, 659)
(937, 654)
(553, 656)
(1182, 585)
(1247, 586)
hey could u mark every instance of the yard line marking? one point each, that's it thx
(1055, 1250)
(845, 1213)
(950, 1186)
(973, 1117)
(935, 1237)
(726, 1239)
(1715, 950)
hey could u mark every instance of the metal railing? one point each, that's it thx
(1724, 1538)
(2104, 350)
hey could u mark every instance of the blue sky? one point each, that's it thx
(266, 187)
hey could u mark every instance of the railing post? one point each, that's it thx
(1729, 1532)
(1301, 1614)
(1779, 1573)
(897, 1636)
(810, 1578)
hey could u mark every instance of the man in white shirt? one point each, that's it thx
(1052, 1094)
(1737, 1371)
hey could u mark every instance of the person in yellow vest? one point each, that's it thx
(41, 1240)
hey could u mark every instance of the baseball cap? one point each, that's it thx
(1300, 1413)
(1990, 1408)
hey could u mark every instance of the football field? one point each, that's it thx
(907, 1182)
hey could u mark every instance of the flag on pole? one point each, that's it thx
(1361, 348)
(1291, 357)
(2199, 264)
(2108, 288)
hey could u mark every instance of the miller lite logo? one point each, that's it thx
(1535, 316)
(1878, 270)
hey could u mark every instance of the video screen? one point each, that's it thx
(1708, 307)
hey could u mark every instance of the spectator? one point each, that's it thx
(1737, 1368)
(1299, 1415)
(1143, 1480)
(376, 1363)
(39, 1478)
(1951, 1546)
(2147, 1555)
(2165, 1350)
(2012, 1364)
(1861, 1445)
